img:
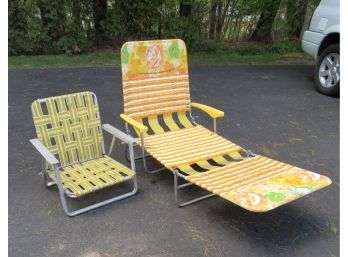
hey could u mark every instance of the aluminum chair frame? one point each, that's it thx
(155, 92)
(177, 175)
(49, 159)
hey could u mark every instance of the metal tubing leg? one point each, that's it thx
(126, 150)
(142, 138)
(144, 159)
(112, 145)
(139, 157)
(185, 185)
(45, 179)
(176, 192)
(148, 170)
(93, 206)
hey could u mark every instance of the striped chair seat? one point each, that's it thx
(86, 177)
(187, 146)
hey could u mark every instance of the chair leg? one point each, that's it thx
(177, 187)
(45, 178)
(143, 156)
(139, 157)
(145, 166)
(93, 206)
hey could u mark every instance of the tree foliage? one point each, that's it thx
(80, 26)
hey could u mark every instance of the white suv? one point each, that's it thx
(322, 42)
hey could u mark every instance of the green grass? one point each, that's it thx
(250, 53)
(45, 61)
(212, 54)
(215, 59)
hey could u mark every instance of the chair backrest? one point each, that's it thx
(69, 126)
(155, 77)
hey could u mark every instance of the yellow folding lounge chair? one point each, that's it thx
(70, 140)
(157, 105)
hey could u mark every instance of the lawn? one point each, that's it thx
(280, 53)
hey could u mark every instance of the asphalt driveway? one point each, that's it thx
(273, 110)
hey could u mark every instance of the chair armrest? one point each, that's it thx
(118, 133)
(137, 125)
(214, 113)
(50, 158)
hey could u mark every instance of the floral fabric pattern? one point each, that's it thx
(150, 59)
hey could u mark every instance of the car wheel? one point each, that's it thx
(327, 71)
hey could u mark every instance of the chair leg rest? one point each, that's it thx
(177, 187)
(97, 205)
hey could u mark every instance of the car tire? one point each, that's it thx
(327, 71)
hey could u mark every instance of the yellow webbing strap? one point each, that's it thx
(236, 155)
(206, 165)
(89, 176)
(188, 169)
(154, 124)
(71, 127)
(169, 121)
(221, 160)
(184, 120)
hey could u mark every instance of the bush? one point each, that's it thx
(74, 41)
(183, 28)
(24, 28)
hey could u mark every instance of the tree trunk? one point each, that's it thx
(212, 19)
(263, 28)
(76, 12)
(218, 20)
(295, 17)
(99, 15)
(227, 17)
(249, 27)
(185, 8)
(239, 27)
(227, 25)
(222, 12)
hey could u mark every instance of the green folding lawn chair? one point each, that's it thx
(70, 140)
(157, 105)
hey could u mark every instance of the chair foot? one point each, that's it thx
(48, 183)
